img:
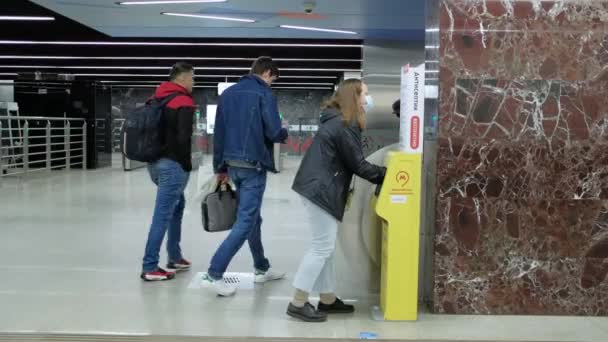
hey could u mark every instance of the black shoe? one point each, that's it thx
(307, 313)
(338, 307)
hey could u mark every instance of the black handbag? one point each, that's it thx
(219, 209)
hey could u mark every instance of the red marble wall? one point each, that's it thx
(522, 209)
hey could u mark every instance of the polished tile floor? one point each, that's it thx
(70, 251)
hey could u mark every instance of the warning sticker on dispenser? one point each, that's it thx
(398, 199)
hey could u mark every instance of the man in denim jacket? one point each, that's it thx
(247, 126)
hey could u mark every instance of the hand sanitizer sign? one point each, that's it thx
(411, 135)
(399, 206)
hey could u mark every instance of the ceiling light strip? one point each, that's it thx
(25, 18)
(130, 81)
(167, 2)
(303, 83)
(196, 76)
(165, 68)
(304, 88)
(209, 82)
(34, 42)
(211, 17)
(317, 29)
(321, 70)
(180, 58)
(40, 82)
(152, 86)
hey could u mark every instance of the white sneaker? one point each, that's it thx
(218, 286)
(270, 275)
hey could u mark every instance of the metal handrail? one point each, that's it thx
(40, 118)
(15, 148)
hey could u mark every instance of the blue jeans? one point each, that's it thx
(250, 184)
(171, 180)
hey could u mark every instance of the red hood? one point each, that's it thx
(167, 88)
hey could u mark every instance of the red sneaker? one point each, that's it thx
(158, 275)
(182, 265)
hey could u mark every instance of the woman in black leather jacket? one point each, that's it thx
(323, 181)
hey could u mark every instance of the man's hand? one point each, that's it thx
(222, 178)
(285, 134)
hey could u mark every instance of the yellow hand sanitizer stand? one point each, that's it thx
(398, 205)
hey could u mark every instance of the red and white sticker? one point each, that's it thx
(411, 125)
(415, 132)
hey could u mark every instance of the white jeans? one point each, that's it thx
(316, 272)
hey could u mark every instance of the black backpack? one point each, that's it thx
(141, 132)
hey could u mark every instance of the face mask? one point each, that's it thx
(369, 105)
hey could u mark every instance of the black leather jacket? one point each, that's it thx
(327, 169)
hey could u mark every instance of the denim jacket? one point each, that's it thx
(247, 125)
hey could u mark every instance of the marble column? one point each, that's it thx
(522, 171)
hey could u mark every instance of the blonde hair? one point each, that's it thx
(347, 99)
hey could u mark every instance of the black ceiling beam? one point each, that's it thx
(66, 30)
(166, 64)
(48, 30)
(181, 51)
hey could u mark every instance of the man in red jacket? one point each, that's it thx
(171, 174)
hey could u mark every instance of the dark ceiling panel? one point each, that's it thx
(16, 58)
(62, 27)
(182, 51)
(369, 19)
